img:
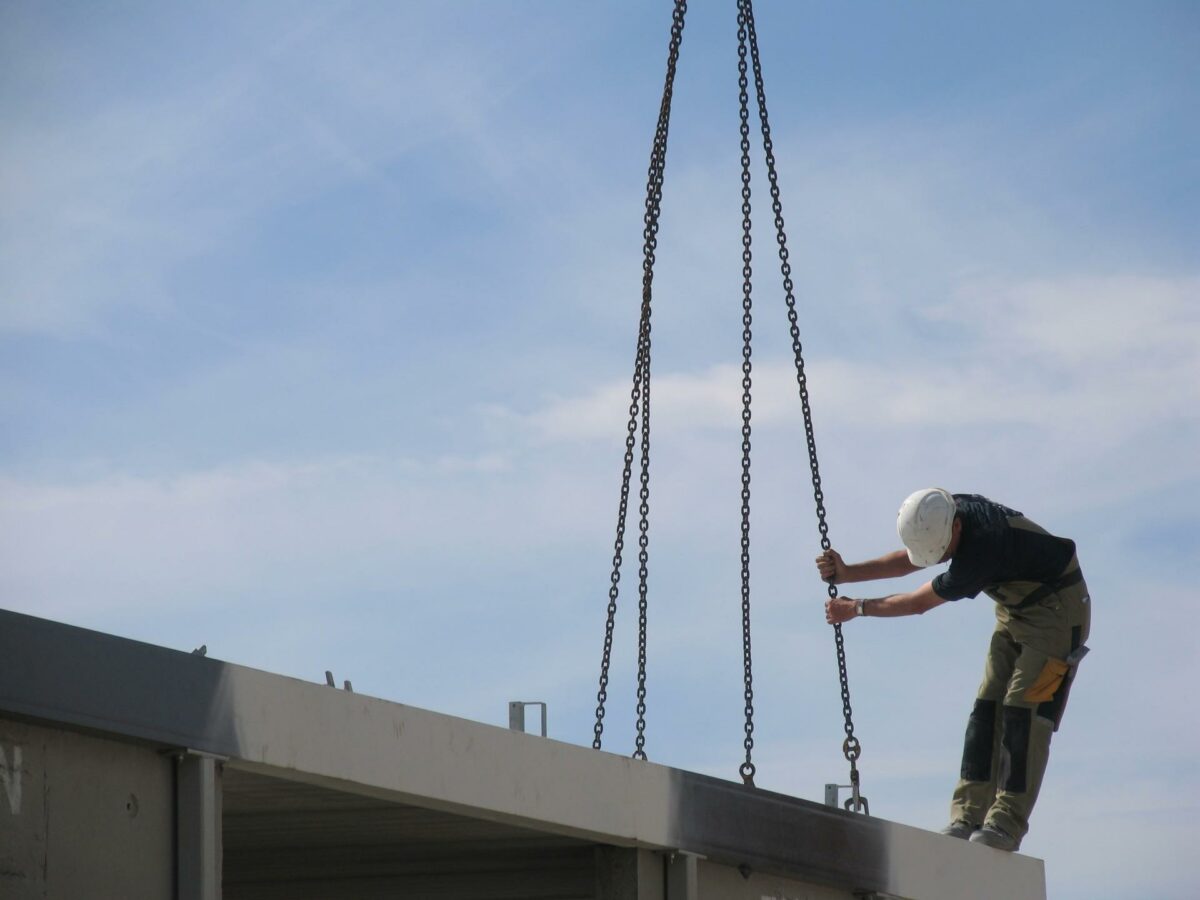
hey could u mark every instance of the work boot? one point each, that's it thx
(960, 829)
(991, 836)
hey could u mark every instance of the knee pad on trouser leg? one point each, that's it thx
(979, 741)
(1015, 741)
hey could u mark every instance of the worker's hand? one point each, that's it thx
(831, 567)
(839, 609)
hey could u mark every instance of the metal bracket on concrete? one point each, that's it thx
(346, 685)
(516, 714)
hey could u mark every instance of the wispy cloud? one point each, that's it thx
(127, 541)
(1103, 355)
(102, 210)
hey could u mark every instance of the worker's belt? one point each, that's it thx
(1072, 578)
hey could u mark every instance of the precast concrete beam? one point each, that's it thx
(307, 732)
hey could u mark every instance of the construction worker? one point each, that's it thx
(1042, 620)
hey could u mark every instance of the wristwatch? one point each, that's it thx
(858, 608)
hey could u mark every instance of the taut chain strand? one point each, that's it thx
(747, 769)
(851, 747)
(639, 410)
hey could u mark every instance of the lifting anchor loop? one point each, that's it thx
(856, 802)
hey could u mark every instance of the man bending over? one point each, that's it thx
(1043, 615)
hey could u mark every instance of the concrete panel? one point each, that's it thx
(683, 877)
(717, 882)
(351, 743)
(627, 874)
(83, 816)
(198, 827)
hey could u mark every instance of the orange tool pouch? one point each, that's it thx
(1048, 681)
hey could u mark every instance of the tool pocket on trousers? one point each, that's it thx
(1047, 682)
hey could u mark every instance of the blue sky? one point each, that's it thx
(316, 322)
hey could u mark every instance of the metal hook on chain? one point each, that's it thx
(852, 750)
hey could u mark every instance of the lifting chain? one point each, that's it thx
(639, 405)
(851, 747)
(639, 410)
(746, 770)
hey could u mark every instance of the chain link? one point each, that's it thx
(639, 750)
(639, 410)
(747, 769)
(851, 748)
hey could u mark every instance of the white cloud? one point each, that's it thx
(125, 541)
(1091, 319)
(1085, 356)
(710, 399)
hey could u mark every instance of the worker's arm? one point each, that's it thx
(923, 599)
(835, 571)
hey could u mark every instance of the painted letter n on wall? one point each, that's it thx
(10, 776)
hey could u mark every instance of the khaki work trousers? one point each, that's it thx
(1019, 707)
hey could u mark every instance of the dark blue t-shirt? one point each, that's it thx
(998, 546)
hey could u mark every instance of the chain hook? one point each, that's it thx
(856, 801)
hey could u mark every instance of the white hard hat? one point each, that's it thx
(925, 523)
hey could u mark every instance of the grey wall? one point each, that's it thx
(83, 817)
